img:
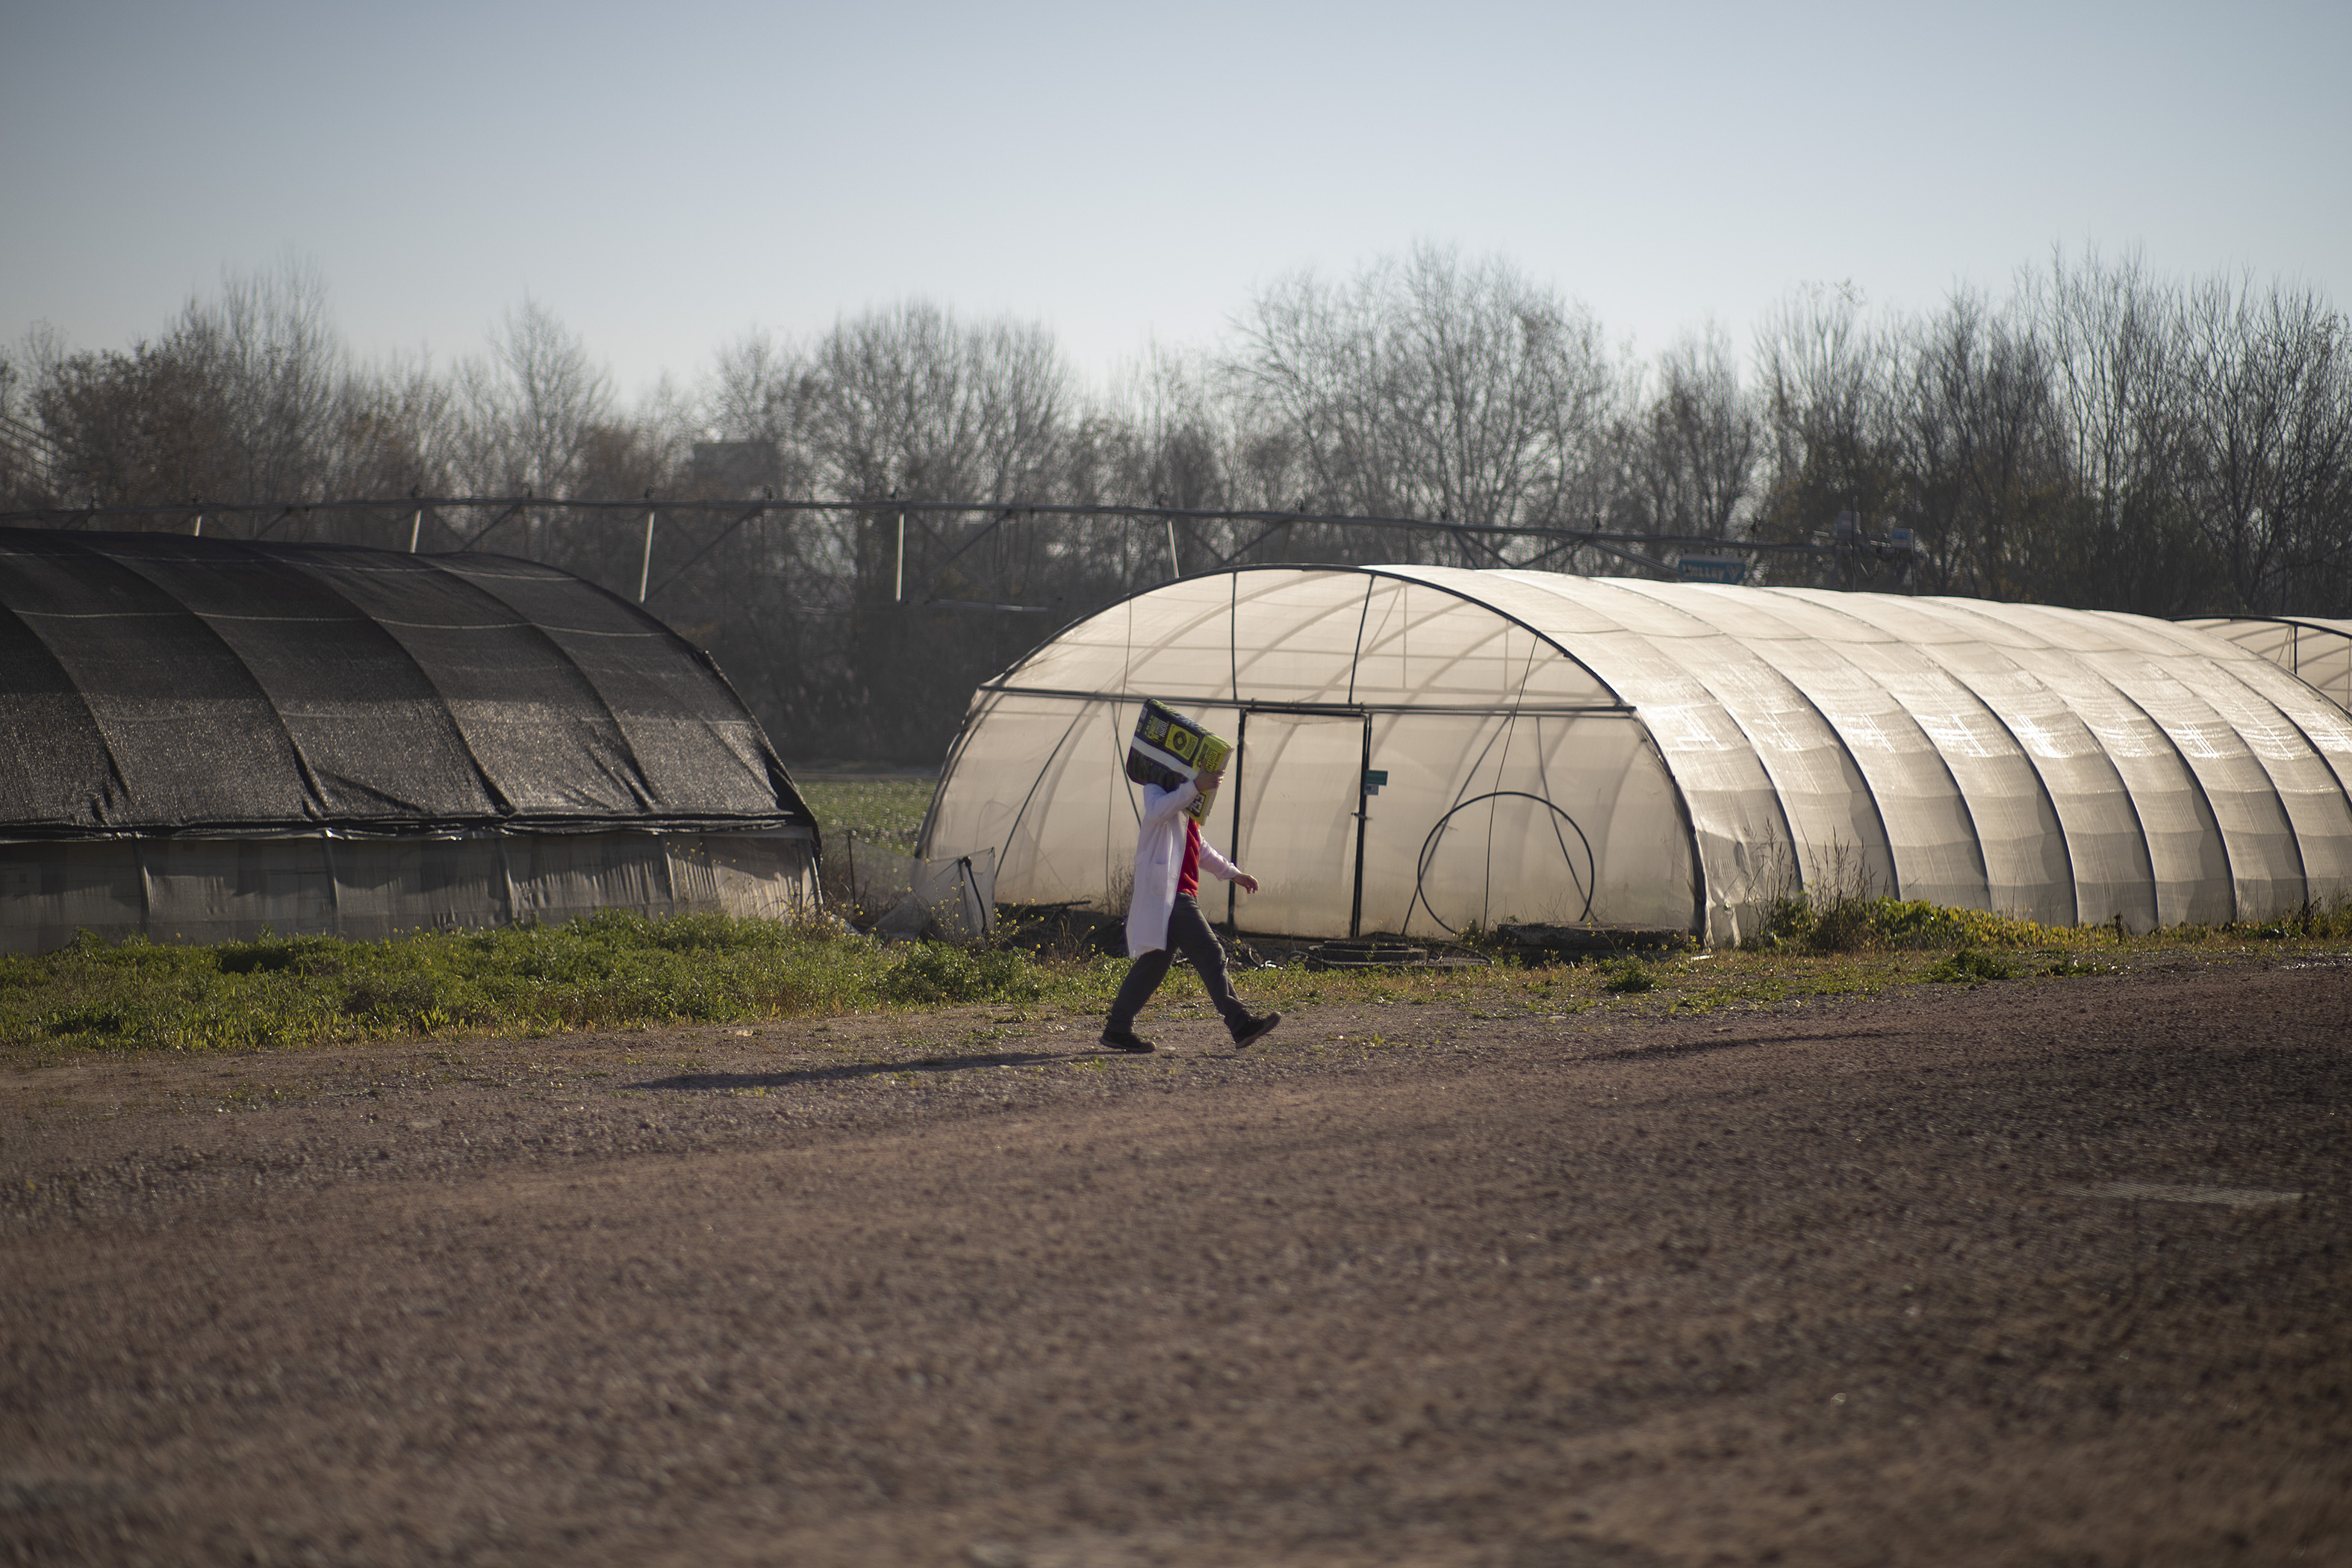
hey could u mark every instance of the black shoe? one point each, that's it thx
(1125, 1040)
(1256, 1029)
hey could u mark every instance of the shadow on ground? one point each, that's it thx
(856, 1072)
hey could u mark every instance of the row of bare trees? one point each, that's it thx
(2101, 437)
(252, 395)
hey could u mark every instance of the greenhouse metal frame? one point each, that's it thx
(2316, 649)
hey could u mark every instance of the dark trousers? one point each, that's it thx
(1186, 930)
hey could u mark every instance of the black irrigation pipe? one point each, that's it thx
(1586, 884)
(755, 506)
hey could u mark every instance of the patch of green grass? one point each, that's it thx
(931, 973)
(617, 971)
(1969, 966)
(605, 970)
(888, 811)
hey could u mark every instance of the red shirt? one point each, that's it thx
(1188, 876)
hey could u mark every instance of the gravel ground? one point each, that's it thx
(2032, 1273)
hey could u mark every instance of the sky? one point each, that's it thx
(665, 178)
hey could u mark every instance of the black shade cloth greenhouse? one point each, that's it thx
(155, 683)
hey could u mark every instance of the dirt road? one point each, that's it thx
(2010, 1275)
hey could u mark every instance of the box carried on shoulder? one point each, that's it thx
(1168, 749)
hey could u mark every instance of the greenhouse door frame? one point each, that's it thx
(1363, 775)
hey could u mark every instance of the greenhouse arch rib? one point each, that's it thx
(2032, 620)
(2070, 806)
(1797, 842)
(2269, 775)
(1840, 606)
(1007, 682)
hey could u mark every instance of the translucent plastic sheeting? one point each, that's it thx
(1560, 748)
(1971, 820)
(1775, 797)
(2180, 720)
(2317, 651)
(2174, 677)
(1300, 634)
(1554, 818)
(2047, 747)
(1484, 817)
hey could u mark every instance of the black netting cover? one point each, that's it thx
(161, 683)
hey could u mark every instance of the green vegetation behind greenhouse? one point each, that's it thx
(883, 811)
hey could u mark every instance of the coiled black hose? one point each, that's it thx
(1584, 884)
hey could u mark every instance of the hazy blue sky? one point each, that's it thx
(665, 176)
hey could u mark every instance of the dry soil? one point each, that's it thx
(2032, 1273)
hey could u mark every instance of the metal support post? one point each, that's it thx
(1241, 740)
(1363, 816)
(898, 578)
(645, 570)
(415, 528)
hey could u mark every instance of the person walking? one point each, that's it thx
(1165, 915)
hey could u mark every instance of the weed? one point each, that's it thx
(932, 972)
(1794, 924)
(2312, 920)
(1967, 966)
(1627, 977)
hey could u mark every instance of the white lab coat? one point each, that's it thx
(1160, 860)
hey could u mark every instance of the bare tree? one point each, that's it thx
(533, 406)
(1828, 447)
(2110, 332)
(1689, 451)
(267, 351)
(399, 432)
(909, 402)
(754, 390)
(2266, 397)
(1975, 427)
(2100, 437)
(1427, 387)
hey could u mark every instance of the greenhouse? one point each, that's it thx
(1422, 749)
(207, 738)
(2317, 651)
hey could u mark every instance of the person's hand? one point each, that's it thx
(1208, 779)
(1245, 881)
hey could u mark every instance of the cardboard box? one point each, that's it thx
(1168, 749)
